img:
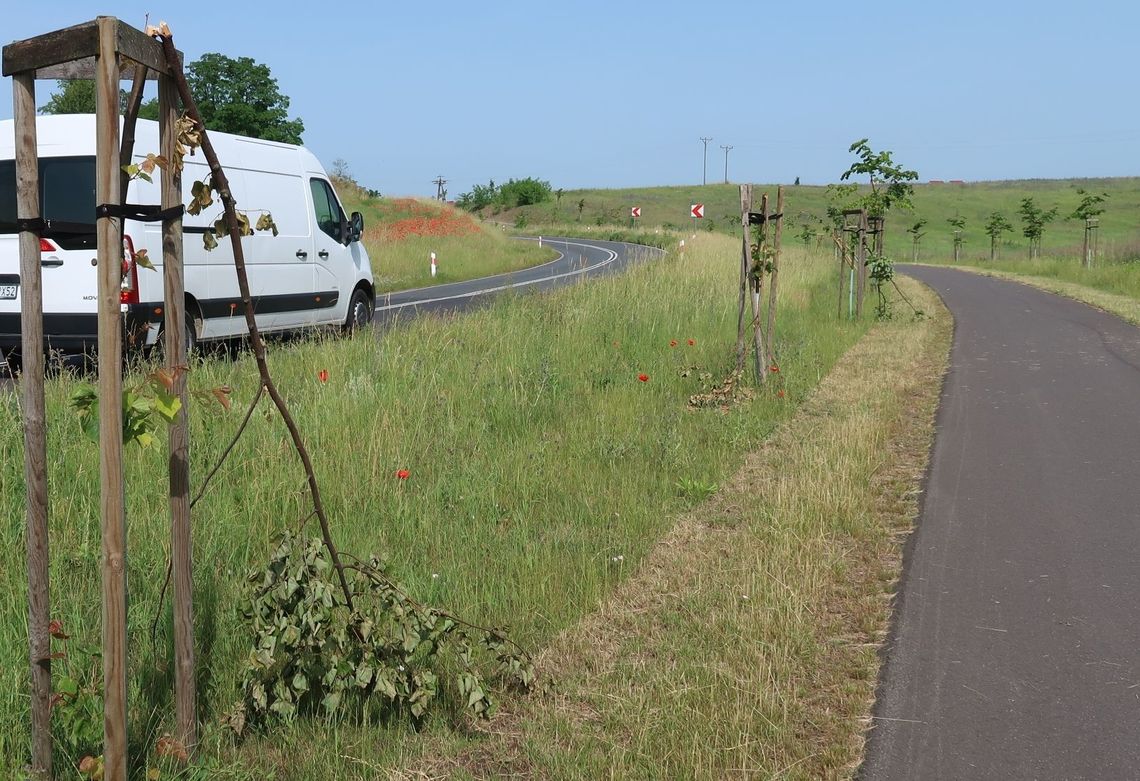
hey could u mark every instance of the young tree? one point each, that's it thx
(916, 233)
(1033, 221)
(996, 225)
(958, 223)
(890, 182)
(241, 96)
(1087, 212)
(890, 187)
(581, 207)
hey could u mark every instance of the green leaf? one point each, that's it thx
(331, 701)
(167, 405)
(143, 259)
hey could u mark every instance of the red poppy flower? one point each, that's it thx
(672, 342)
(323, 375)
(692, 342)
(643, 377)
(774, 369)
(780, 393)
(403, 474)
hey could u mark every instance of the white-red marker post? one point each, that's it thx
(433, 264)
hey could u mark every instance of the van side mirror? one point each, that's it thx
(355, 227)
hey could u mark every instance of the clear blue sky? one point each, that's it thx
(604, 94)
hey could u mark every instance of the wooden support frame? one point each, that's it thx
(103, 50)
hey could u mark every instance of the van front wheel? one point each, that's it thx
(359, 311)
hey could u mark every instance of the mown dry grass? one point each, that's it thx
(746, 644)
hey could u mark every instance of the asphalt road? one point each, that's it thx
(578, 259)
(1015, 652)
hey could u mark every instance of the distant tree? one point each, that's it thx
(524, 192)
(479, 197)
(340, 169)
(558, 195)
(78, 97)
(916, 233)
(1087, 212)
(996, 225)
(958, 223)
(797, 182)
(1033, 222)
(241, 96)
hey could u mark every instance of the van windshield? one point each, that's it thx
(67, 199)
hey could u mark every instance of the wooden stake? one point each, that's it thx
(772, 285)
(112, 514)
(174, 328)
(860, 263)
(841, 256)
(745, 260)
(760, 360)
(35, 427)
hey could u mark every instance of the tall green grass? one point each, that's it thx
(542, 470)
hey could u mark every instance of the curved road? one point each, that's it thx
(578, 259)
(1015, 652)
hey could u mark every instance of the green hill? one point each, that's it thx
(807, 206)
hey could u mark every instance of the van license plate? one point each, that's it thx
(8, 292)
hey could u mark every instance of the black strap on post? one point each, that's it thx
(758, 218)
(139, 212)
(35, 225)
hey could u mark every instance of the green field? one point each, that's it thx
(807, 205)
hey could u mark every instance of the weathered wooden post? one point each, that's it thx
(745, 254)
(174, 319)
(860, 262)
(777, 236)
(35, 424)
(759, 358)
(841, 256)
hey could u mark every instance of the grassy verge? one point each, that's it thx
(542, 473)
(745, 643)
(1113, 287)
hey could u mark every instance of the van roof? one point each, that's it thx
(65, 135)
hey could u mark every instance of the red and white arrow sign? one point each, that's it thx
(635, 211)
(697, 210)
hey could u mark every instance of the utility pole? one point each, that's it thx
(726, 148)
(440, 193)
(705, 167)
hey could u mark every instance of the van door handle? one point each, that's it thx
(301, 254)
(51, 262)
(323, 254)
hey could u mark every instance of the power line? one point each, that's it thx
(705, 167)
(440, 193)
(726, 148)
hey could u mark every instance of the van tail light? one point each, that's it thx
(129, 293)
(47, 246)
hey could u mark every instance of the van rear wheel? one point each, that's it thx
(359, 311)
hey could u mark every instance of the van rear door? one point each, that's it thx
(70, 279)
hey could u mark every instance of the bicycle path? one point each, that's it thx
(1015, 652)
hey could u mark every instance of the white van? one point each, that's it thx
(314, 272)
